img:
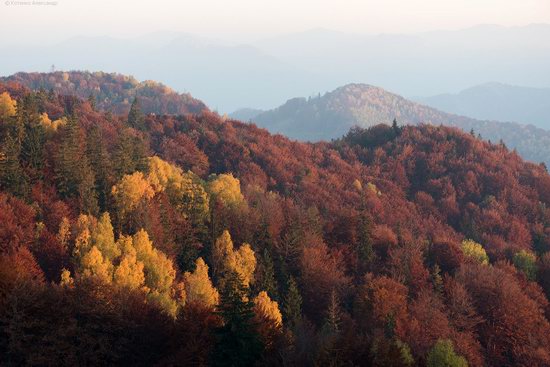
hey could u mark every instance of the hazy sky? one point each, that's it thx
(250, 19)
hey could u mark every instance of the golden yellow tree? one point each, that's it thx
(129, 272)
(198, 286)
(45, 121)
(83, 227)
(226, 189)
(184, 189)
(49, 125)
(130, 191)
(221, 252)
(95, 266)
(7, 106)
(159, 270)
(162, 174)
(474, 250)
(64, 233)
(268, 317)
(131, 262)
(243, 262)
(225, 258)
(66, 279)
(104, 238)
(160, 274)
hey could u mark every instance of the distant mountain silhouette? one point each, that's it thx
(245, 114)
(264, 73)
(421, 64)
(331, 115)
(497, 101)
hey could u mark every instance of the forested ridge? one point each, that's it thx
(328, 116)
(111, 91)
(193, 239)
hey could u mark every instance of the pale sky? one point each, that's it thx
(251, 19)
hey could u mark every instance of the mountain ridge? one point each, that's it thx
(329, 116)
(496, 101)
(111, 91)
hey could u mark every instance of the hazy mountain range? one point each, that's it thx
(331, 115)
(497, 101)
(267, 72)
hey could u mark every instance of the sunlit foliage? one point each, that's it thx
(475, 251)
(7, 106)
(198, 287)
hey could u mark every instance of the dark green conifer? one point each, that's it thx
(396, 129)
(135, 116)
(32, 149)
(99, 159)
(237, 342)
(130, 155)
(292, 304)
(12, 176)
(73, 175)
(266, 281)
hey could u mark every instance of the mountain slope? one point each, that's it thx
(111, 92)
(497, 101)
(331, 115)
(122, 232)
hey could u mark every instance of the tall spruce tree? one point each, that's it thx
(73, 175)
(99, 159)
(12, 176)
(238, 343)
(129, 155)
(135, 116)
(292, 304)
(32, 150)
(266, 281)
(396, 129)
(365, 252)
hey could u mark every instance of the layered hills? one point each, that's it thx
(329, 116)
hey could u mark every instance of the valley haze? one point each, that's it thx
(266, 72)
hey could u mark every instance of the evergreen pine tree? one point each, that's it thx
(32, 150)
(67, 163)
(365, 252)
(266, 280)
(130, 155)
(135, 116)
(12, 176)
(238, 343)
(100, 164)
(73, 175)
(396, 129)
(292, 304)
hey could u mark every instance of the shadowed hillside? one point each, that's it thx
(329, 116)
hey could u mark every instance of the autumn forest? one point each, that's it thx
(138, 227)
